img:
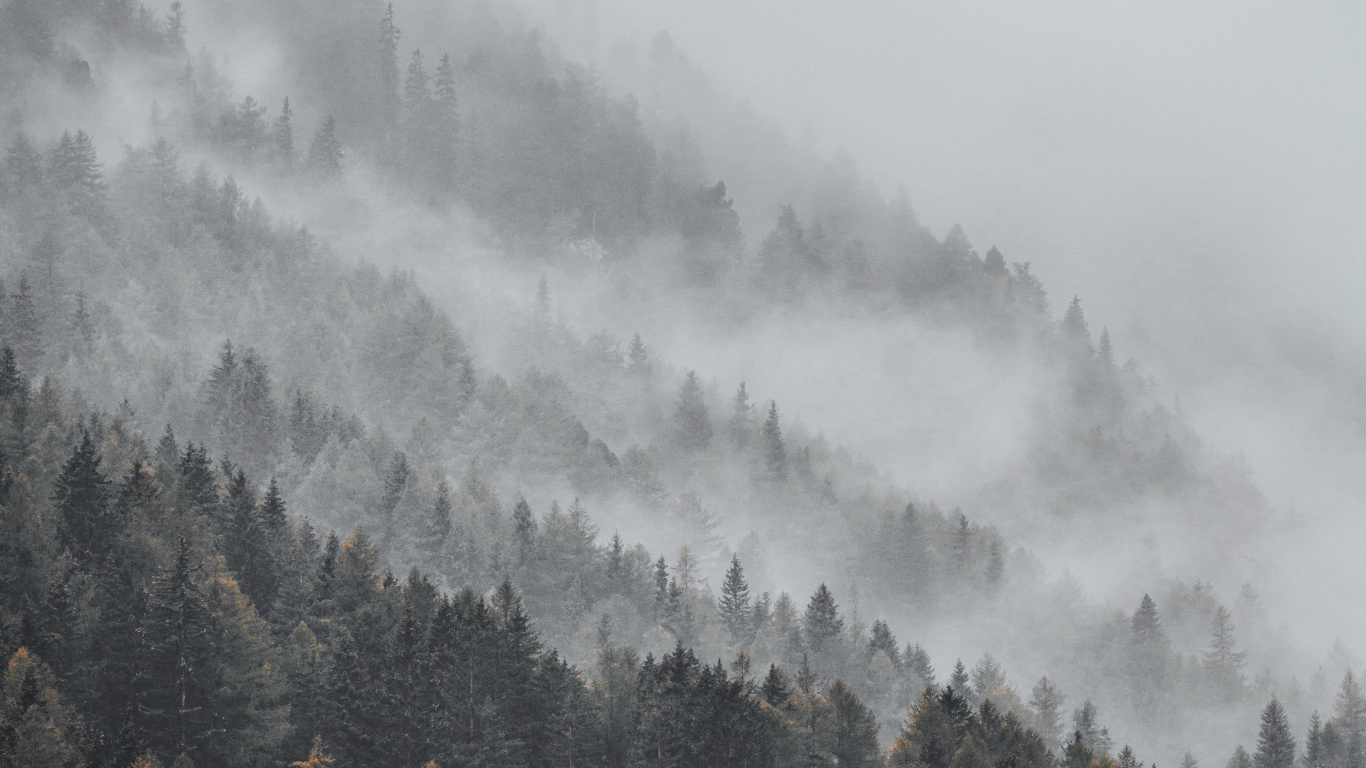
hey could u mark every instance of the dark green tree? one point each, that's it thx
(691, 420)
(89, 525)
(734, 606)
(775, 453)
(1275, 744)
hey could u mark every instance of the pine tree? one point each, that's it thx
(734, 604)
(638, 357)
(1073, 326)
(822, 625)
(1188, 761)
(774, 689)
(325, 155)
(435, 528)
(852, 731)
(1314, 753)
(742, 413)
(1223, 665)
(775, 454)
(1239, 759)
(24, 327)
(1275, 744)
(1086, 720)
(690, 416)
(11, 380)
(88, 525)
(284, 138)
(1047, 702)
(388, 73)
(959, 680)
(988, 678)
(395, 481)
(23, 163)
(1148, 651)
(882, 640)
(175, 683)
(917, 660)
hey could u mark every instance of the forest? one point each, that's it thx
(265, 505)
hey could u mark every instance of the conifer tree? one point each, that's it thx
(691, 420)
(1275, 744)
(852, 731)
(325, 157)
(959, 680)
(11, 380)
(88, 525)
(917, 660)
(1223, 665)
(388, 107)
(175, 683)
(1188, 761)
(1047, 702)
(742, 413)
(775, 688)
(734, 604)
(775, 453)
(638, 356)
(284, 138)
(1086, 720)
(822, 625)
(435, 528)
(1239, 759)
(882, 639)
(24, 327)
(988, 678)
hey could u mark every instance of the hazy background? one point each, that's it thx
(1195, 172)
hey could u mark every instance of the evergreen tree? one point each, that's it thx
(176, 683)
(1086, 720)
(24, 328)
(1239, 759)
(822, 624)
(959, 680)
(734, 606)
(918, 661)
(742, 413)
(882, 640)
(434, 530)
(638, 356)
(1148, 652)
(284, 138)
(324, 160)
(988, 678)
(88, 524)
(11, 380)
(775, 688)
(1223, 665)
(775, 454)
(1275, 744)
(1188, 761)
(388, 107)
(1047, 702)
(690, 416)
(852, 731)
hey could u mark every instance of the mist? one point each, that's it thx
(529, 299)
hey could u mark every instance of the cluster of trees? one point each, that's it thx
(157, 607)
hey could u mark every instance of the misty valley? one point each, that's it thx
(436, 406)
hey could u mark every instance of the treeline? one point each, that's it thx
(160, 609)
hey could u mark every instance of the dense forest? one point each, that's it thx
(265, 506)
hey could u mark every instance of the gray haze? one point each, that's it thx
(1194, 172)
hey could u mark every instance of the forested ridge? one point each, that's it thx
(263, 507)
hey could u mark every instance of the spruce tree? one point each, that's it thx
(822, 625)
(24, 327)
(917, 660)
(88, 524)
(638, 356)
(691, 420)
(325, 157)
(176, 682)
(1239, 759)
(284, 138)
(959, 680)
(1275, 744)
(388, 107)
(1047, 701)
(734, 605)
(1223, 665)
(741, 414)
(775, 453)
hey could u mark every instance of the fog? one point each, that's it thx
(1194, 174)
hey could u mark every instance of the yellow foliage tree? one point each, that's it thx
(34, 724)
